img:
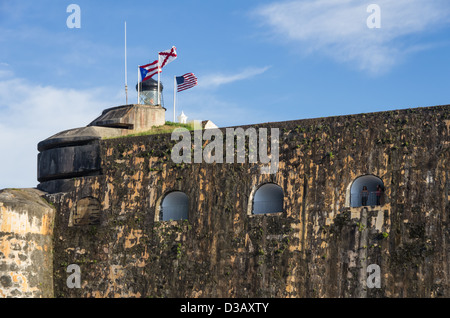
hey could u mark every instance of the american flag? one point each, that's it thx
(148, 70)
(186, 81)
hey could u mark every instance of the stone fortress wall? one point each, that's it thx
(321, 243)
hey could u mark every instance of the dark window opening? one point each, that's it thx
(268, 199)
(175, 206)
(367, 190)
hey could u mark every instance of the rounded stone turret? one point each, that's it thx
(75, 153)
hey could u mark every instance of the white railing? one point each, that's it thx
(368, 199)
(262, 207)
(174, 212)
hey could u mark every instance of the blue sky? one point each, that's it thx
(256, 61)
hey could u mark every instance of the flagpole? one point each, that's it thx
(174, 95)
(139, 87)
(126, 86)
(159, 71)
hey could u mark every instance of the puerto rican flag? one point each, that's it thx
(164, 58)
(148, 70)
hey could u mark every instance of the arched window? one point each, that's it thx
(174, 206)
(268, 198)
(367, 190)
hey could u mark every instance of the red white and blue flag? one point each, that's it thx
(165, 57)
(148, 70)
(185, 81)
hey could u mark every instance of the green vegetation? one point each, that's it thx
(179, 250)
(361, 227)
(167, 128)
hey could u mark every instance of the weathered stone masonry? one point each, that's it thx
(318, 246)
(26, 244)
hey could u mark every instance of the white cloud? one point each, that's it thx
(5, 70)
(30, 113)
(338, 28)
(215, 80)
(204, 103)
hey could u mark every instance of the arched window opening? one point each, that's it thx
(268, 198)
(175, 206)
(367, 190)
